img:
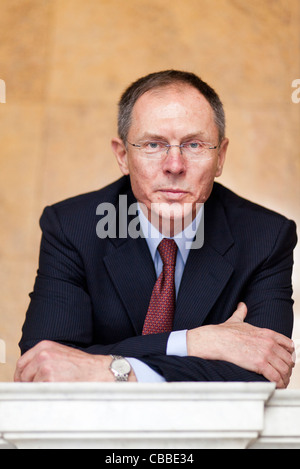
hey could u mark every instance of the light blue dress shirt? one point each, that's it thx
(177, 344)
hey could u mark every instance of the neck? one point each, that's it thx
(171, 219)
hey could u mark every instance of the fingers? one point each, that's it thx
(280, 378)
(285, 342)
(279, 339)
(272, 375)
(28, 365)
(277, 362)
(240, 314)
(52, 362)
(294, 355)
(22, 363)
(284, 369)
(264, 351)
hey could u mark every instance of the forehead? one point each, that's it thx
(177, 106)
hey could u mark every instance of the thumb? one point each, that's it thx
(240, 313)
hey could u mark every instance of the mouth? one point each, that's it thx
(173, 194)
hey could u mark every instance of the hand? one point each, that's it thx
(262, 351)
(52, 362)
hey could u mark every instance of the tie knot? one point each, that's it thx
(168, 251)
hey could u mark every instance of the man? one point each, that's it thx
(177, 311)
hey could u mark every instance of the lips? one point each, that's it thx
(175, 191)
(172, 194)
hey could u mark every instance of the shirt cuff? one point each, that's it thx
(143, 372)
(177, 344)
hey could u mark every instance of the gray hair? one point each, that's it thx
(159, 80)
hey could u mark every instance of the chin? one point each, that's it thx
(171, 218)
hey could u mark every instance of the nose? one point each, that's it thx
(174, 162)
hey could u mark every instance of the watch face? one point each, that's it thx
(121, 366)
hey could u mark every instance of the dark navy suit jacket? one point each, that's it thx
(93, 293)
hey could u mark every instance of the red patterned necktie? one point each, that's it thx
(161, 308)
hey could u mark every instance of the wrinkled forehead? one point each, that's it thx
(178, 105)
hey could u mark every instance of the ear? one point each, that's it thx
(222, 156)
(120, 152)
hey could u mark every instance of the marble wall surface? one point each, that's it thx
(65, 64)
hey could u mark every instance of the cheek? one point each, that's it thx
(202, 181)
(141, 180)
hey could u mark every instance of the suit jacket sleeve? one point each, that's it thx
(269, 299)
(61, 310)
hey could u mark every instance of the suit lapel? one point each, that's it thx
(207, 271)
(132, 272)
(205, 276)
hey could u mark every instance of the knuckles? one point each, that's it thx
(43, 353)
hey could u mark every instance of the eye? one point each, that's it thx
(191, 145)
(195, 146)
(153, 146)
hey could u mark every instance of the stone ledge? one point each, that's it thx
(131, 415)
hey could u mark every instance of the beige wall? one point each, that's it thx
(65, 63)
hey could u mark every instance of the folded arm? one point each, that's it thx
(249, 354)
(254, 344)
(61, 311)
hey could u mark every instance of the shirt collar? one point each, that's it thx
(183, 239)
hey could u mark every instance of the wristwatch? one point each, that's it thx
(120, 367)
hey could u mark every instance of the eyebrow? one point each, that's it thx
(200, 135)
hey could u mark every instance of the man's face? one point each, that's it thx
(172, 115)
